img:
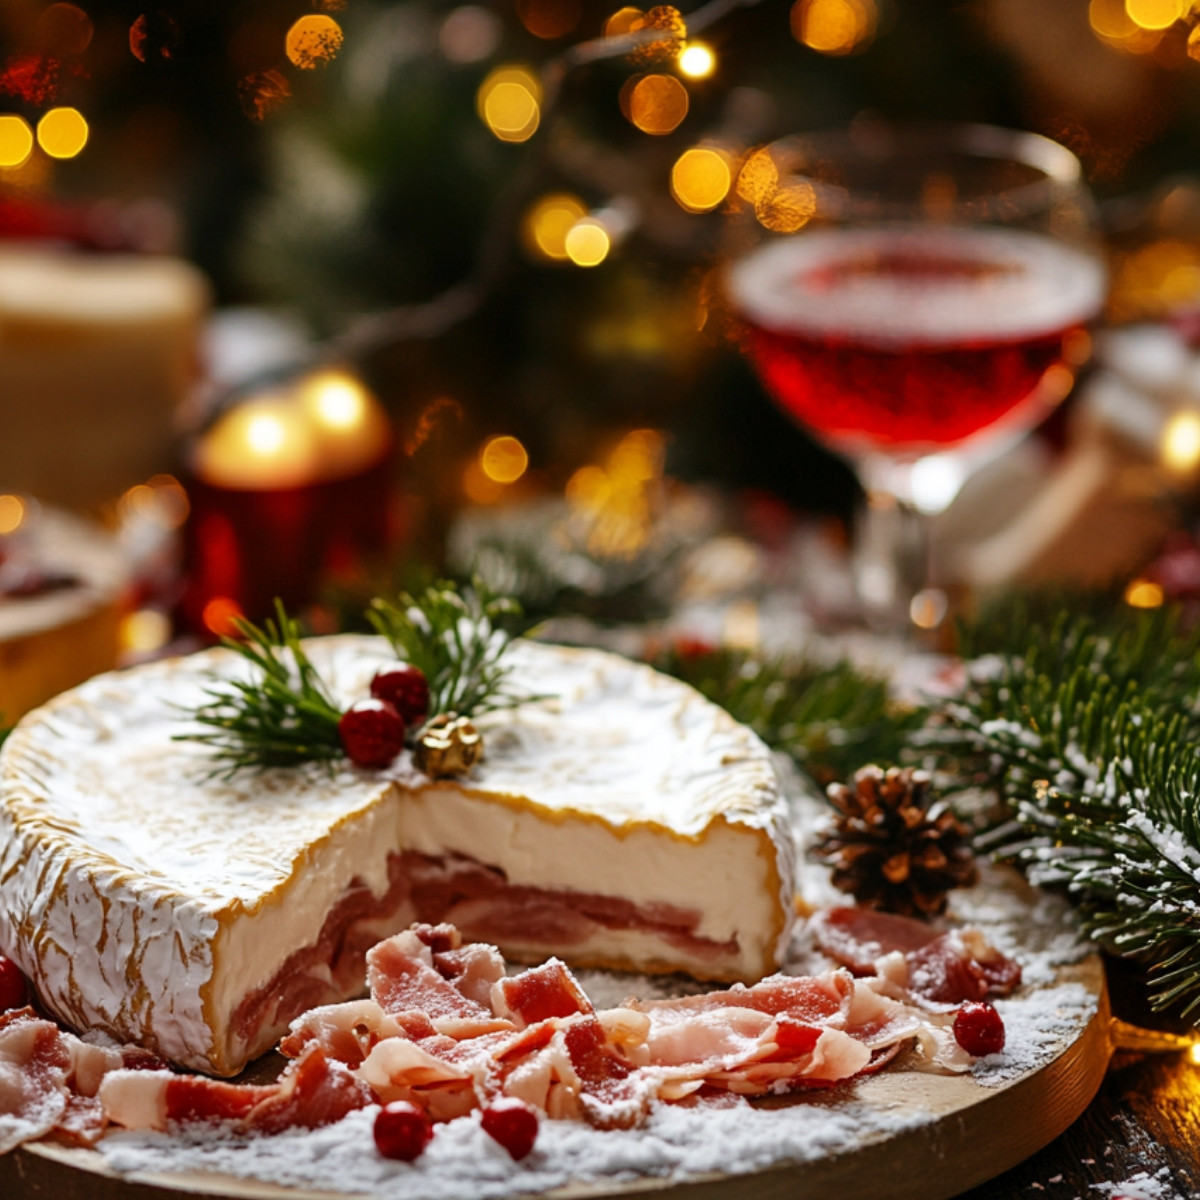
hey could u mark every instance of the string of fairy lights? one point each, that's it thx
(511, 100)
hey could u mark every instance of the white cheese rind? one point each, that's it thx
(147, 900)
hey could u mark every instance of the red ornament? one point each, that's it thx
(13, 992)
(406, 688)
(513, 1124)
(979, 1029)
(402, 1131)
(372, 733)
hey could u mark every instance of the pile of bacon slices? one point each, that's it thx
(448, 1030)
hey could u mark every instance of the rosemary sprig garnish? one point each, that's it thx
(281, 716)
(284, 715)
(457, 637)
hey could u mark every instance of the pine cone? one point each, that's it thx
(891, 848)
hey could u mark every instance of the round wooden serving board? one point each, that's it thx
(974, 1132)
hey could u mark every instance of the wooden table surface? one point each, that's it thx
(1145, 1120)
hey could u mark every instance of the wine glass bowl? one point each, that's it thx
(932, 310)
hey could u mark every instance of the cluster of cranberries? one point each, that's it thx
(372, 730)
(979, 1029)
(402, 1130)
(13, 992)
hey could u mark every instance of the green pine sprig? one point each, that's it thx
(279, 716)
(831, 719)
(457, 637)
(282, 714)
(1087, 729)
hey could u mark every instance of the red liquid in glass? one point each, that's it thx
(901, 396)
(911, 341)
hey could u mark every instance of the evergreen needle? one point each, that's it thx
(457, 637)
(281, 716)
(1088, 731)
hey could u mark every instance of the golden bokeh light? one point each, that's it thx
(348, 424)
(220, 616)
(1194, 1053)
(335, 400)
(62, 132)
(758, 177)
(1179, 445)
(16, 140)
(588, 488)
(12, 513)
(503, 459)
(613, 504)
(264, 443)
(162, 502)
(928, 608)
(701, 179)
(144, 631)
(313, 41)
(697, 61)
(1193, 49)
(834, 26)
(549, 19)
(548, 222)
(788, 209)
(587, 243)
(658, 104)
(1155, 14)
(1153, 279)
(1143, 593)
(622, 21)
(663, 19)
(509, 101)
(1109, 19)
(638, 457)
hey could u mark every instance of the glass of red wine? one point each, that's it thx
(930, 312)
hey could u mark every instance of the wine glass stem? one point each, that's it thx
(891, 560)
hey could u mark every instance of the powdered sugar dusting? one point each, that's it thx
(463, 1162)
(678, 1142)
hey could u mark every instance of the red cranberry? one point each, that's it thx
(402, 1131)
(13, 992)
(979, 1029)
(406, 688)
(512, 1123)
(372, 733)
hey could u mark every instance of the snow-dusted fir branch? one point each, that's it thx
(457, 637)
(1089, 734)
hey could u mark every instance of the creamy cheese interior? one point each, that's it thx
(148, 899)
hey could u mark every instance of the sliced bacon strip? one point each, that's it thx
(312, 1091)
(945, 969)
(856, 937)
(539, 994)
(33, 1077)
(960, 966)
(402, 978)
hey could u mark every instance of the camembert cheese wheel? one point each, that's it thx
(621, 820)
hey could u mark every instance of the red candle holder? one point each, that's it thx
(282, 503)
